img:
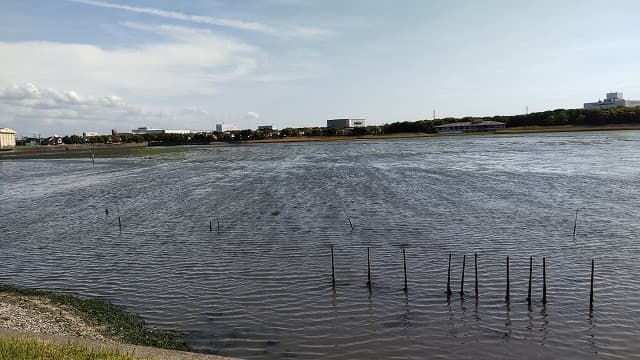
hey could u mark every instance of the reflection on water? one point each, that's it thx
(261, 286)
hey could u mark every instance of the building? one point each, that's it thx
(613, 99)
(265, 127)
(145, 130)
(476, 126)
(7, 139)
(346, 123)
(221, 128)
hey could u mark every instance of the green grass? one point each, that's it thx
(110, 319)
(34, 349)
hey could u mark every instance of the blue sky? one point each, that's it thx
(70, 66)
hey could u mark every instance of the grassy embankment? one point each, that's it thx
(110, 320)
(28, 349)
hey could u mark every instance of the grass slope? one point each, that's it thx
(112, 320)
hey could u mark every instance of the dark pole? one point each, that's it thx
(218, 220)
(544, 281)
(449, 277)
(591, 293)
(368, 270)
(530, 273)
(464, 262)
(404, 259)
(506, 297)
(475, 261)
(210, 226)
(119, 223)
(575, 223)
(333, 270)
(350, 223)
(106, 211)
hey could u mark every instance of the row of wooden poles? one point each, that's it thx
(449, 292)
(507, 296)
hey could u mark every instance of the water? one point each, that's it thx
(261, 287)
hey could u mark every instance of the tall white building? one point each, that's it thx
(7, 139)
(613, 99)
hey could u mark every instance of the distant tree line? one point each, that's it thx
(577, 117)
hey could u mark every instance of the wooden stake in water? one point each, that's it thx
(93, 159)
(218, 220)
(119, 223)
(368, 271)
(506, 297)
(530, 274)
(591, 292)
(404, 259)
(106, 211)
(350, 223)
(464, 262)
(210, 226)
(449, 277)
(544, 281)
(333, 269)
(575, 223)
(475, 261)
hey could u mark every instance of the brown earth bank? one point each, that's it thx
(568, 128)
(25, 315)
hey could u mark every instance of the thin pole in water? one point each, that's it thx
(575, 223)
(210, 226)
(404, 259)
(544, 281)
(333, 269)
(350, 223)
(506, 297)
(464, 262)
(475, 261)
(530, 275)
(106, 211)
(591, 292)
(449, 277)
(218, 220)
(368, 270)
(119, 223)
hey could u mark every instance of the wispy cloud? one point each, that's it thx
(188, 61)
(284, 31)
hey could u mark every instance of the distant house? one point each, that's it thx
(346, 123)
(7, 139)
(476, 126)
(146, 130)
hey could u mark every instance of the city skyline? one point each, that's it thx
(71, 66)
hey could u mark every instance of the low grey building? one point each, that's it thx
(476, 126)
(346, 123)
(613, 99)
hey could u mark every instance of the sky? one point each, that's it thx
(73, 66)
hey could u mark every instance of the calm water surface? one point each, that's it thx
(261, 286)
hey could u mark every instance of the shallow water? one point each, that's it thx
(261, 286)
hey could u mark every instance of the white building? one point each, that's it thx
(220, 128)
(7, 139)
(346, 123)
(613, 99)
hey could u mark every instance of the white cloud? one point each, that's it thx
(252, 115)
(284, 31)
(188, 61)
(28, 108)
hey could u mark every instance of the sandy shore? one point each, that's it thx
(28, 317)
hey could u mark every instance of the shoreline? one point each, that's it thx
(137, 149)
(62, 317)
